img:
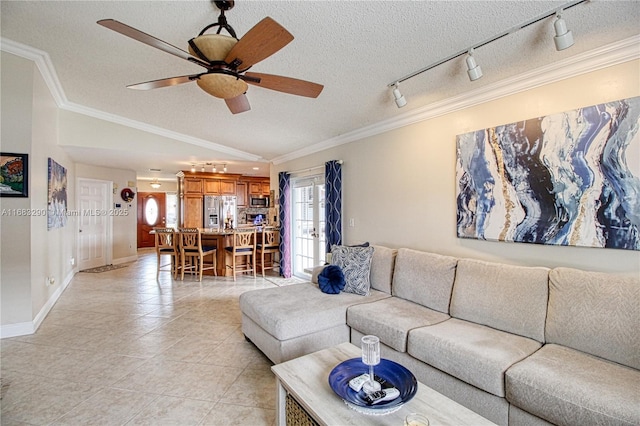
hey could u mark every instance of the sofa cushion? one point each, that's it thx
(299, 309)
(595, 313)
(424, 278)
(382, 265)
(355, 263)
(391, 319)
(473, 353)
(568, 387)
(509, 298)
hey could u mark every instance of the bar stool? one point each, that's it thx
(244, 245)
(270, 244)
(191, 248)
(166, 245)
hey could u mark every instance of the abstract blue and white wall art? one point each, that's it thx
(568, 179)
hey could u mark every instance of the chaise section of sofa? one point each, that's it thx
(288, 322)
(588, 371)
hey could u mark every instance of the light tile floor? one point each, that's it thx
(122, 348)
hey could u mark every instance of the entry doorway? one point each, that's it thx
(151, 213)
(308, 224)
(94, 224)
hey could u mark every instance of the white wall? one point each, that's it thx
(399, 186)
(29, 252)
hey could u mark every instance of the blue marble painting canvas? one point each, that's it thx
(570, 179)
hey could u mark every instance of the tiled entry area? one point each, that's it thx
(122, 348)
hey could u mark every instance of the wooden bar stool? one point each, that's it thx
(270, 244)
(192, 253)
(244, 245)
(166, 245)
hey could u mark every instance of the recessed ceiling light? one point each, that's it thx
(256, 168)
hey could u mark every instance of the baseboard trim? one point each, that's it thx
(26, 328)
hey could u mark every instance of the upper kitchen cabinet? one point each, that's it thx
(259, 187)
(212, 186)
(227, 187)
(192, 185)
(241, 194)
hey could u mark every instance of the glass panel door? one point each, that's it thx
(308, 224)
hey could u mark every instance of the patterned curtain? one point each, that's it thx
(333, 203)
(284, 202)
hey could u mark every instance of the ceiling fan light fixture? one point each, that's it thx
(222, 85)
(214, 46)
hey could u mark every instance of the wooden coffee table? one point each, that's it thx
(306, 380)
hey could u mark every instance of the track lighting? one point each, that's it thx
(214, 168)
(473, 69)
(563, 38)
(400, 100)
(193, 168)
(224, 168)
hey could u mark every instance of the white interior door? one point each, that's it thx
(308, 224)
(94, 202)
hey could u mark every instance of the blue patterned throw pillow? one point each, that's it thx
(331, 279)
(355, 263)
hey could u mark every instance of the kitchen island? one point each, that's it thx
(221, 238)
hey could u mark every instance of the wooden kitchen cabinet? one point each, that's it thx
(193, 186)
(193, 208)
(241, 194)
(212, 186)
(227, 187)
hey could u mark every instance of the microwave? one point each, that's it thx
(259, 201)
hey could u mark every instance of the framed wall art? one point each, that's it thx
(569, 179)
(57, 196)
(14, 175)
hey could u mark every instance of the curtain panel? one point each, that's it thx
(333, 203)
(284, 203)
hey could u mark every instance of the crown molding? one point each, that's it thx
(48, 72)
(593, 60)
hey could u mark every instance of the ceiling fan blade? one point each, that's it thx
(165, 82)
(238, 104)
(260, 42)
(285, 84)
(150, 40)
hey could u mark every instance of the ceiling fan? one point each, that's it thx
(226, 60)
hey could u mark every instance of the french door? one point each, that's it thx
(308, 224)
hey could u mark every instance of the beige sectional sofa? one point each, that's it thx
(518, 345)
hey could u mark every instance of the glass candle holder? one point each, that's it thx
(371, 357)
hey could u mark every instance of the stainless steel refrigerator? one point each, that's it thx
(220, 211)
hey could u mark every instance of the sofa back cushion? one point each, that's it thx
(506, 297)
(382, 265)
(596, 313)
(424, 278)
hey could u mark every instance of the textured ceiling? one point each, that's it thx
(354, 48)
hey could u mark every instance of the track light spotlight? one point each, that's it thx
(473, 69)
(400, 100)
(224, 168)
(193, 168)
(214, 168)
(563, 38)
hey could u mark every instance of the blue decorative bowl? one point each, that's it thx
(395, 374)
